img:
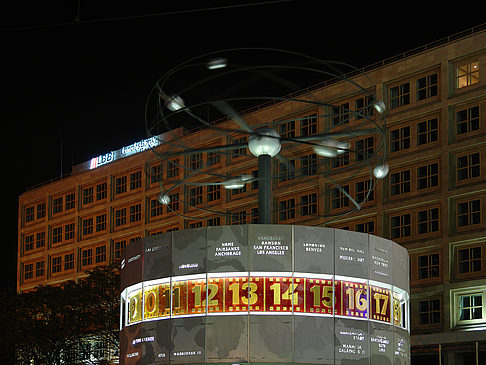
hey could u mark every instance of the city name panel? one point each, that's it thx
(264, 294)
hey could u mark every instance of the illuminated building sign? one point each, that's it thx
(124, 152)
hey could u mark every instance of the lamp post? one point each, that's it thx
(264, 144)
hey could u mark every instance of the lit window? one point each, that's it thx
(467, 74)
(468, 306)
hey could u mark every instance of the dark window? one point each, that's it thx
(400, 95)
(427, 87)
(469, 260)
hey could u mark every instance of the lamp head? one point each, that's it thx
(265, 141)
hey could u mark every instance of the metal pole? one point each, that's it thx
(264, 189)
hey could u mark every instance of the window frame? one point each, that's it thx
(456, 294)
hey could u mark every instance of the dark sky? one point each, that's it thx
(86, 82)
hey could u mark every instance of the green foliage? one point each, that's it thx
(65, 324)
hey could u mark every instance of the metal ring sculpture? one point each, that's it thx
(211, 84)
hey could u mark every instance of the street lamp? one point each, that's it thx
(264, 144)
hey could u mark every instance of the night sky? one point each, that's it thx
(74, 89)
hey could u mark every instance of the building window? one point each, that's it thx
(29, 214)
(428, 176)
(254, 216)
(364, 148)
(308, 165)
(197, 224)
(286, 209)
(468, 306)
(196, 161)
(56, 234)
(339, 161)
(400, 226)
(339, 197)
(308, 125)
(172, 168)
(340, 114)
(87, 195)
(308, 204)
(69, 262)
(70, 201)
(156, 208)
(428, 266)
(101, 190)
(135, 180)
(212, 158)
(213, 192)
(467, 74)
(400, 95)
(429, 311)
(469, 213)
(87, 226)
(364, 191)
(239, 152)
(119, 248)
(120, 185)
(363, 107)
(39, 268)
(366, 227)
(69, 231)
(428, 220)
(238, 217)
(40, 240)
(41, 210)
(87, 257)
(57, 204)
(212, 222)
(196, 196)
(101, 223)
(100, 254)
(56, 264)
(29, 242)
(468, 166)
(469, 260)
(400, 139)
(400, 182)
(427, 131)
(173, 206)
(467, 120)
(135, 213)
(28, 271)
(120, 217)
(156, 174)
(286, 170)
(287, 129)
(427, 87)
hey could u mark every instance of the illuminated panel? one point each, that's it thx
(351, 298)
(215, 295)
(255, 298)
(235, 294)
(319, 295)
(134, 306)
(380, 303)
(400, 310)
(196, 296)
(279, 294)
(179, 298)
